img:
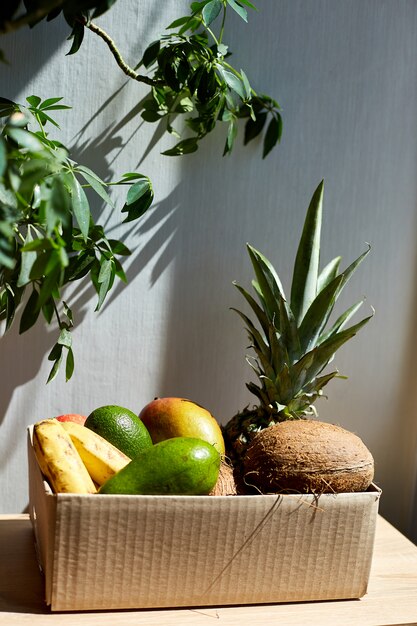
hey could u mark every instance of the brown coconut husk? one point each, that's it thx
(226, 485)
(307, 456)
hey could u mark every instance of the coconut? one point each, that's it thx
(226, 485)
(306, 456)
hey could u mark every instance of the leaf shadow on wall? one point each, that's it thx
(16, 366)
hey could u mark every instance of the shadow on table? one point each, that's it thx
(21, 582)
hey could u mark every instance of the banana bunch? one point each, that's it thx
(73, 458)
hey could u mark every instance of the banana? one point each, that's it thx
(101, 458)
(59, 460)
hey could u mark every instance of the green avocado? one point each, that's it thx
(177, 466)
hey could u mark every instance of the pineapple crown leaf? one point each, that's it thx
(291, 341)
(259, 312)
(271, 294)
(255, 335)
(328, 273)
(313, 363)
(306, 267)
(347, 273)
(317, 315)
(341, 321)
(268, 283)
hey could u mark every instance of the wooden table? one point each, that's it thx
(391, 597)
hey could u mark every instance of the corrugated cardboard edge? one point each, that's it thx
(42, 511)
(234, 539)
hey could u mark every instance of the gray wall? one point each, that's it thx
(345, 74)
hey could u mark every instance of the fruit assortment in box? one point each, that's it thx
(179, 450)
(298, 521)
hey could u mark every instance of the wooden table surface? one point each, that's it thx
(391, 597)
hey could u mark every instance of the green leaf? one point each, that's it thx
(139, 199)
(137, 191)
(30, 313)
(150, 54)
(7, 107)
(239, 9)
(105, 270)
(248, 4)
(80, 265)
(56, 365)
(118, 247)
(96, 184)
(7, 197)
(27, 261)
(68, 313)
(43, 118)
(233, 82)
(48, 103)
(231, 135)
(185, 105)
(34, 101)
(57, 205)
(69, 365)
(178, 22)
(102, 6)
(129, 176)
(80, 206)
(39, 244)
(305, 274)
(12, 301)
(211, 10)
(186, 146)
(118, 269)
(3, 157)
(25, 139)
(151, 116)
(48, 310)
(77, 36)
(196, 7)
(104, 280)
(272, 135)
(65, 338)
(49, 284)
(246, 85)
(44, 264)
(254, 127)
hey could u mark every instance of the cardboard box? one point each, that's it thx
(121, 552)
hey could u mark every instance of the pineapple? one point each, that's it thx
(291, 339)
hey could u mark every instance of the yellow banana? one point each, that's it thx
(101, 458)
(59, 460)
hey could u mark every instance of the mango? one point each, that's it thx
(177, 466)
(178, 417)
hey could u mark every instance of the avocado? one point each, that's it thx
(177, 466)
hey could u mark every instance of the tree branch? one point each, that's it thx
(118, 57)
